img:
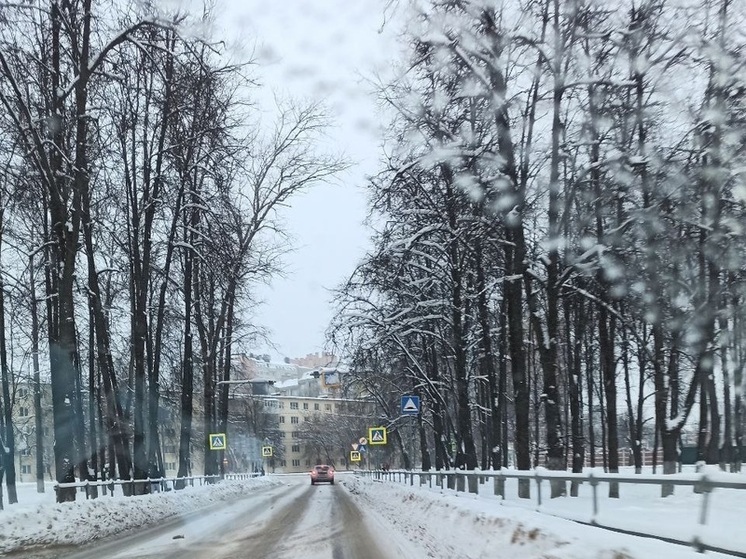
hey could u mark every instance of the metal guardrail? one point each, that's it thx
(154, 485)
(703, 483)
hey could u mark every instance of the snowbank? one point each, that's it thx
(447, 524)
(34, 523)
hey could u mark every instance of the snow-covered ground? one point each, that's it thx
(36, 520)
(403, 521)
(639, 509)
(450, 524)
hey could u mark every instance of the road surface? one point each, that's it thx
(291, 521)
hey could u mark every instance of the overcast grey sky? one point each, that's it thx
(320, 50)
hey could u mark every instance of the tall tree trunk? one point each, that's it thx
(467, 451)
(634, 436)
(606, 327)
(38, 420)
(92, 386)
(548, 352)
(573, 335)
(9, 444)
(515, 246)
(439, 435)
(590, 390)
(739, 354)
(726, 457)
(116, 422)
(63, 362)
(187, 380)
(226, 375)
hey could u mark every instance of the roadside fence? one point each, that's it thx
(148, 485)
(469, 481)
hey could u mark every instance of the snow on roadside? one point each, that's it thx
(82, 521)
(446, 525)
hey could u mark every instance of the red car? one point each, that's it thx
(322, 473)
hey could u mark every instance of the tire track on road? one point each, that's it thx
(265, 539)
(355, 541)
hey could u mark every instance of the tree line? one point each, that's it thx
(558, 261)
(140, 192)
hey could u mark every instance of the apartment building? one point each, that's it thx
(24, 423)
(26, 447)
(316, 429)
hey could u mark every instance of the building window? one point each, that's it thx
(282, 434)
(296, 462)
(25, 452)
(293, 405)
(282, 419)
(328, 407)
(295, 434)
(294, 419)
(25, 469)
(23, 411)
(296, 448)
(171, 466)
(305, 405)
(283, 463)
(316, 407)
(22, 392)
(308, 462)
(281, 405)
(169, 449)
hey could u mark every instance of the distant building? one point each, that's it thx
(304, 420)
(316, 360)
(24, 431)
(315, 430)
(248, 367)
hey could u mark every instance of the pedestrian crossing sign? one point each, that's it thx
(377, 435)
(354, 456)
(266, 451)
(217, 441)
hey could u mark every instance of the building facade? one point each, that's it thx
(316, 430)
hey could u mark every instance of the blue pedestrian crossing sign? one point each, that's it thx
(377, 435)
(217, 441)
(410, 405)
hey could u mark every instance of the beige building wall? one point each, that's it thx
(24, 423)
(293, 412)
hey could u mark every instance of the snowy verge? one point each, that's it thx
(446, 525)
(83, 521)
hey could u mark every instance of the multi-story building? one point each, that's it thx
(317, 430)
(305, 421)
(24, 423)
(26, 446)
